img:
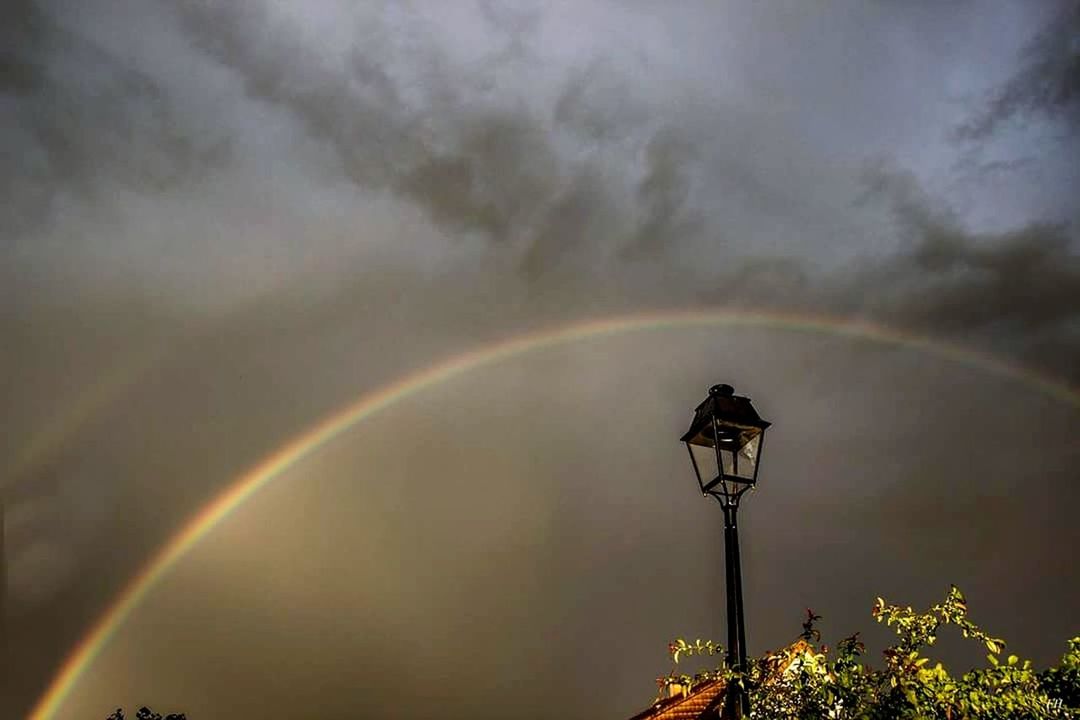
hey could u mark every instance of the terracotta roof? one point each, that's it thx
(691, 706)
(684, 707)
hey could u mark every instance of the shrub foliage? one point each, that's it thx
(810, 681)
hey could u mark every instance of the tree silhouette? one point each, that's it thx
(145, 713)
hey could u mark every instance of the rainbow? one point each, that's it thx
(81, 411)
(325, 431)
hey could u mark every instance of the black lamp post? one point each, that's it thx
(3, 599)
(725, 441)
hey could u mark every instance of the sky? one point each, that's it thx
(223, 222)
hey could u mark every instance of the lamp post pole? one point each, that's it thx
(3, 601)
(3, 584)
(736, 653)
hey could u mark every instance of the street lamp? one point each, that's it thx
(725, 441)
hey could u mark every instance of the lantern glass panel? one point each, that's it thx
(704, 459)
(740, 455)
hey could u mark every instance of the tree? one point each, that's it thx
(808, 682)
(145, 713)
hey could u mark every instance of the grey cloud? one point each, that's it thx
(495, 183)
(1015, 292)
(473, 165)
(574, 218)
(80, 118)
(662, 197)
(1014, 289)
(599, 105)
(24, 30)
(1047, 83)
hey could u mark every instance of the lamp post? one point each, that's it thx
(3, 585)
(3, 599)
(725, 441)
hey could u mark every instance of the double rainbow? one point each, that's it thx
(325, 431)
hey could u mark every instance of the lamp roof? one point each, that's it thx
(728, 408)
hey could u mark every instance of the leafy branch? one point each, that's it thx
(807, 682)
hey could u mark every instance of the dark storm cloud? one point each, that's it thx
(1046, 85)
(473, 165)
(359, 111)
(662, 196)
(79, 118)
(497, 171)
(1026, 280)
(24, 31)
(1015, 290)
